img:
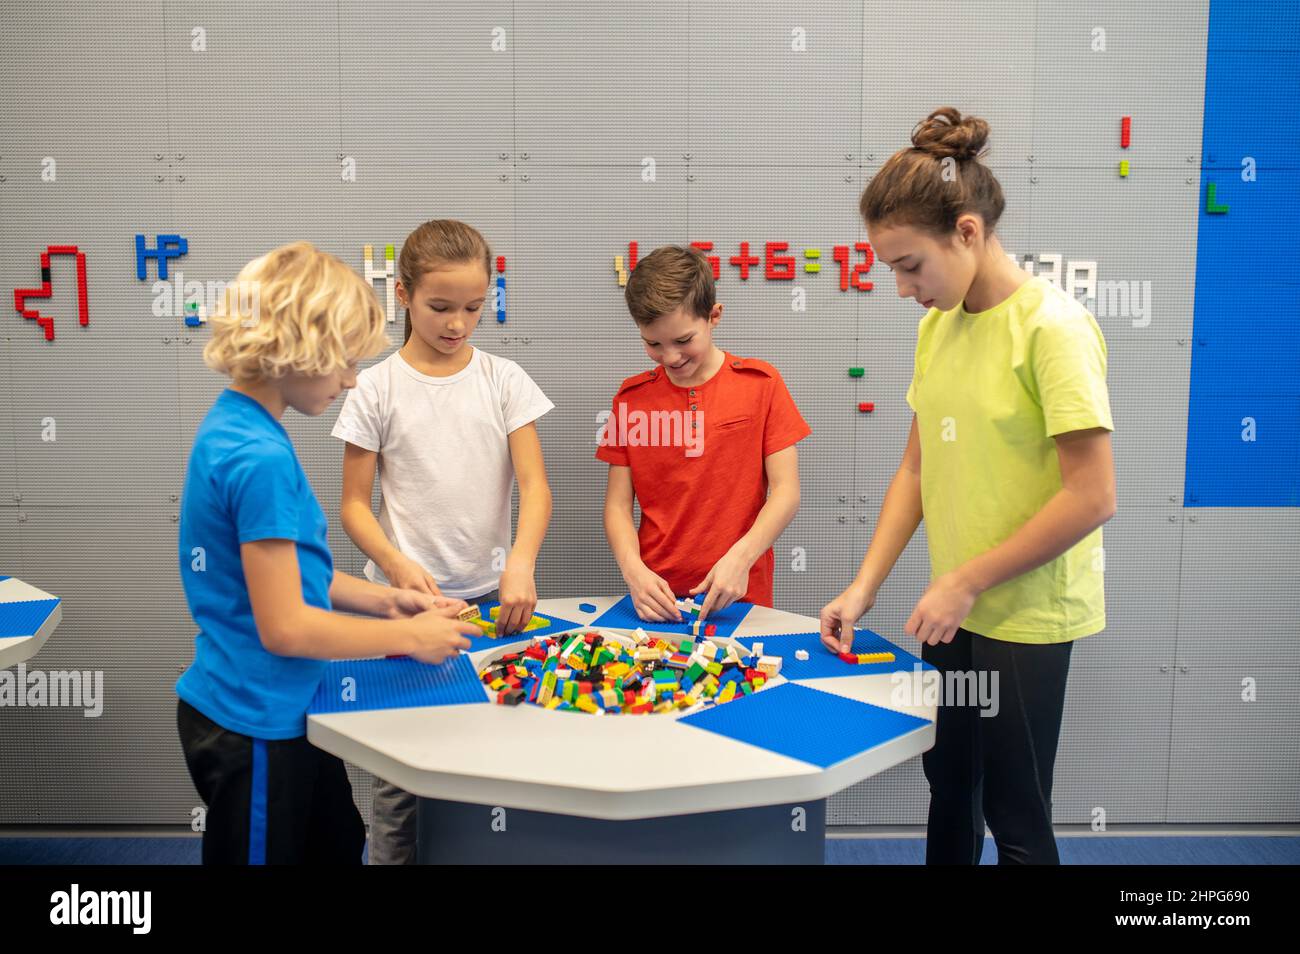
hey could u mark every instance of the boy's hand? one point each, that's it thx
(726, 582)
(840, 614)
(436, 638)
(652, 597)
(941, 610)
(518, 592)
(404, 573)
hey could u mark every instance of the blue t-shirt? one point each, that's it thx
(244, 483)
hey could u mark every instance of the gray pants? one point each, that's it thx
(392, 810)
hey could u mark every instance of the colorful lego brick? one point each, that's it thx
(865, 659)
(866, 407)
(1212, 207)
(801, 655)
(857, 372)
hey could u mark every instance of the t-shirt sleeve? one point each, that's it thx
(608, 447)
(264, 493)
(522, 401)
(361, 422)
(784, 425)
(1068, 368)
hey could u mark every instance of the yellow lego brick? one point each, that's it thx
(864, 658)
(553, 702)
(537, 622)
(728, 691)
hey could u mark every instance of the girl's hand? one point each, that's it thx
(434, 638)
(726, 582)
(941, 610)
(404, 573)
(518, 593)
(840, 614)
(403, 604)
(652, 597)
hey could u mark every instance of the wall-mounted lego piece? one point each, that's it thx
(165, 247)
(388, 275)
(744, 260)
(1123, 168)
(46, 322)
(857, 372)
(855, 276)
(1125, 130)
(501, 299)
(1211, 205)
(777, 267)
(866, 407)
(813, 266)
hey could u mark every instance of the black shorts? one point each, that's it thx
(280, 801)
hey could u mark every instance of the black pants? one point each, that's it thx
(997, 768)
(269, 802)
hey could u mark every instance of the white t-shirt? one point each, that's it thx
(445, 472)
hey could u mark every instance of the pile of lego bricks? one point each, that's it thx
(586, 672)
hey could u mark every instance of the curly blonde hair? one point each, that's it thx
(294, 309)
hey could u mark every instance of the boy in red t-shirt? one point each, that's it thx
(705, 442)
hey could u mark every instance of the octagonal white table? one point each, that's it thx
(521, 783)
(27, 617)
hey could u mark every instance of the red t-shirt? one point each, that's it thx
(699, 495)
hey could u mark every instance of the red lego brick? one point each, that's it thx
(1125, 131)
(744, 260)
(866, 407)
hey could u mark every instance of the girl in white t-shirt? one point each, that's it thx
(450, 428)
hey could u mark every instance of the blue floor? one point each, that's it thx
(1090, 850)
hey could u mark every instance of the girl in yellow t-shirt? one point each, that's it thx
(1009, 462)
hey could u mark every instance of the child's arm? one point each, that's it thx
(1085, 501)
(652, 597)
(287, 626)
(900, 515)
(360, 524)
(353, 595)
(729, 578)
(518, 593)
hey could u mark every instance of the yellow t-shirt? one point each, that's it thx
(990, 391)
